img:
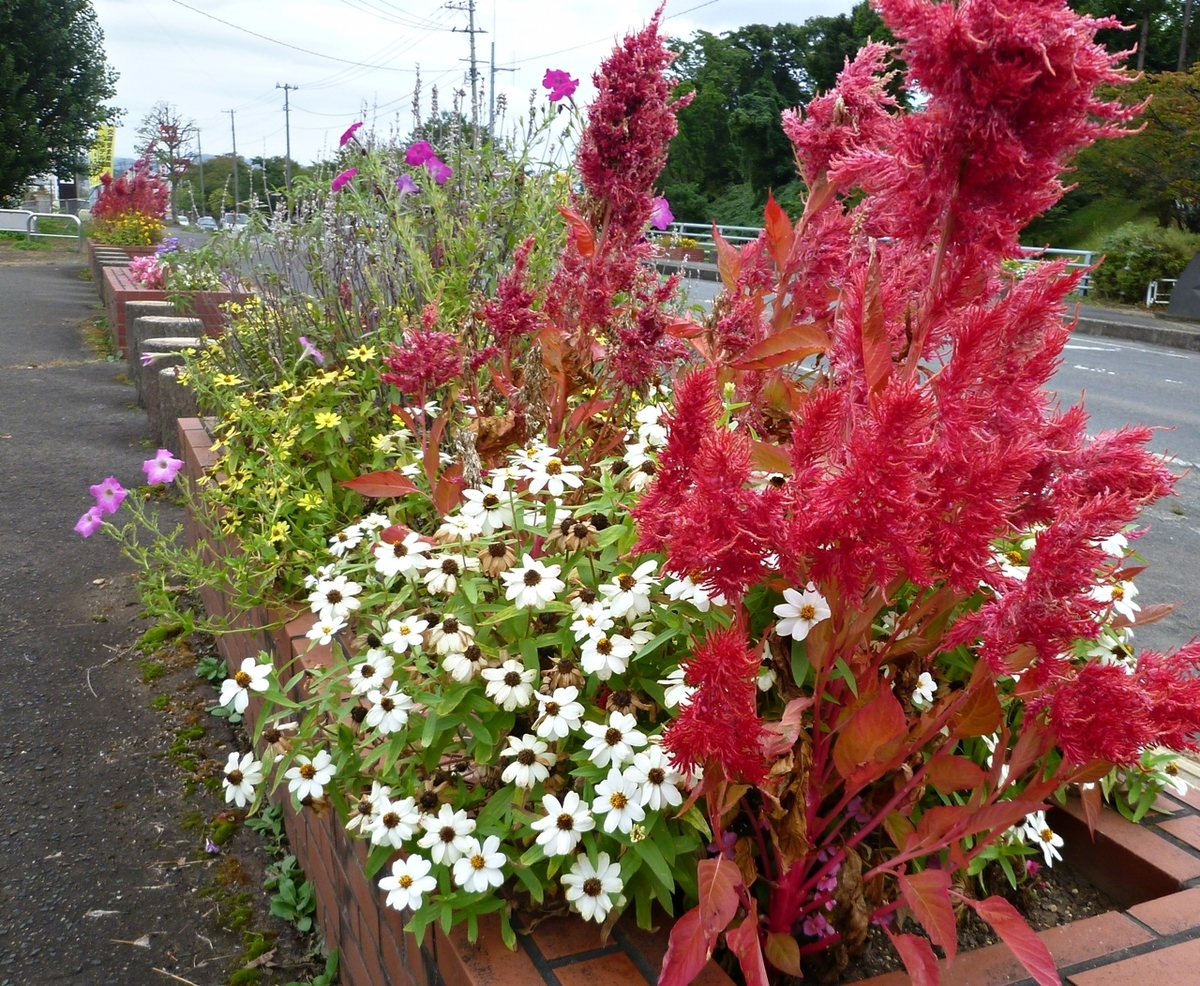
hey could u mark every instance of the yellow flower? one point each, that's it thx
(383, 443)
(361, 353)
(282, 387)
(310, 501)
(227, 380)
(279, 531)
(327, 419)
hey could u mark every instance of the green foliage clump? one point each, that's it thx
(1135, 256)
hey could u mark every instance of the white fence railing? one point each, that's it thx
(1159, 292)
(24, 221)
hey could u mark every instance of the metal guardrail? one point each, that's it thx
(1155, 294)
(1083, 259)
(24, 221)
(15, 220)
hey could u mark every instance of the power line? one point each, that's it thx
(471, 30)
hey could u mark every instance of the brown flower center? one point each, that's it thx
(365, 807)
(334, 596)
(243, 679)
(626, 582)
(473, 653)
(648, 468)
(497, 550)
(656, 775)
(400, 550)
(449, 625)
(512, 679)
(368, 671)
(490, 501)
(308, 771)
(581, 531)
(592, 886)
(235, 777)
(387, 704)
(613, 736)
(391, 820)
(449, 567)
(526, 757)
(554, 467)
(532, 577)
(565, 822)
(603, 646)
(552, 709)
(447, 834)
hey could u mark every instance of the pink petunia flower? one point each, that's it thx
(418, 153)
(163, 468)
(109, 495)
(438, 168)
(406, 186)
(90, 522)
(660, 213)
(308, 349)
(349, 134)
(560, 84)
(341, 180)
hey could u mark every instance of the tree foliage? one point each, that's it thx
(163, 135)
(1159, 22)
(54, 82)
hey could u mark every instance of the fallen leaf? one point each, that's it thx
(100, 914)
(56, 855)
(262, 960)
(143, 942)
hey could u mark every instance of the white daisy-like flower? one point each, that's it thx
(613, 743)
(702, 595)
(1120, 596)
(446, 835)
(657, 780)
(373, 522)
(533, 584)
(307, 778)
(638, 635)
(241, 776)
(677, 690)
(323, 631)
(334, 599)
(553, 475)
(510, 686)
(800, 612)
(558, 713)
(530, 457)
(563, 825)
(628, 595)
(1012, 565)
(1169, 774)
(344, 540)
(323, 572)
(1049, 842)
(592, 888)
(1115, 545)
(406, 633)
(651, 430)
(617, 799)
(491, 506)
(642, 468)
(924, 692)
(389, 710)
(464, 666)
(460, 527)
(372, 672)
(366, 809)
(480, 867)
(590, 619)
(444, 571)
(408, 557)
(450, 635)
(531, 761)
(605, 656)
(766, 678)
(409, 883)
(395, 822)
(250, 677)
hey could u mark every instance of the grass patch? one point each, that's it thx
(160, 702)
(151, 671)
(1087, 228)
(99, 338)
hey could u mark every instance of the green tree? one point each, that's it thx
(54, 81)
(1155, 30)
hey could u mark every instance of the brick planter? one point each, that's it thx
(94, 265)
(1152, 868)
(119, 290)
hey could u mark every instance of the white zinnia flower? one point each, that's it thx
(531, 761)
(533, 584)
(463, 667)
(926, 688)
(481, 867)
(407, 557)
(242, 774)
(395, 822)
(678, 690)
(451, 635)
(617, 800)
(651, 431)
(628, 595)
(563, 826)
(460, 527)
(445, 570)
(510, 686)
(408, 884)
(367, 807)
(1120, 595)
(605, 656)
(251, 676)
(373, 522)
(307, 778)
(703, 595)
(612, 743)
(800, 612)
(343, 541)
(333, 599)
(324, 631)
(656, 778)
(1115, 545)
(372, 672)
(590, 619)
(323, 572)
(406, 633)
(558, 713)
(490, 507)
(591, 889)
(446, 835)
(553, 476)
(389, 710)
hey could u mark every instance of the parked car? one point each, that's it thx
(235, 223)
(183, 221)
(207, 223)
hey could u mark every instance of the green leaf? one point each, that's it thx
(430, 730)
(842, 670)
(530, 880)
(507, 935)
(376, 859)
(653, 856)
(800, 664)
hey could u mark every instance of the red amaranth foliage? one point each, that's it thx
(427, 360)
(139, 190)
(510, 315)
(720, 723)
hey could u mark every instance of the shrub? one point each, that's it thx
(1135, 255)
(130, 210)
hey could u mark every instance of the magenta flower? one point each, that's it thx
(163, 468)
(318, 357)
(560, 84)
(90, 522)
(418, 153)
(438, 168)
(340, 181)
(147, 358)
(660, 214)
(349, 134)
(109, 495)
(406, 186)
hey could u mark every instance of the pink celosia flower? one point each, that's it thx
(510, 314)
(109, 495)
(90, 522)
(560, 84)
(163, 468)
(349, 134)
(146, 272)
(438, 169)
(418, 153)
(660, 213)
(427, 359)
(406, 186)
(342, 180)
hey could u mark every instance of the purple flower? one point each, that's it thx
(438, 168)
(406, 186)
(340, 181)
(560, 84)
(349, 134)
(418, 153)
(318, 357)
(109, 495)
(148, 358)
(163, 468)
(660, 214)
(90, 522)
(211, 847)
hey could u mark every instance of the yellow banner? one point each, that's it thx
(102, 156)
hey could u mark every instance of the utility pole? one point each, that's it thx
(471, 31)
(233, 133)
(200, 158)
(492, 93)
(287, 130)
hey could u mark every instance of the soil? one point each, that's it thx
(109, 765)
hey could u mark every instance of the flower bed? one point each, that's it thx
(94, 249)
(120, 288)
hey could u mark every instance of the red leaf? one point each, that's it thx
(729, 260)
(876, 346)
(719, 880)
(1091, 799)
(1029, 949)
(381, 484)
(980, 714)
(1149, 614)
(687, 952)
(770, 458)
(743, 942)
(918, 958)
(870, 734)
(783, 952)
(951, 773)
(789, 346)
(928, 894)
(779, 232)
(585, 242)
(448, 492)
(394, 534)
(684, 328)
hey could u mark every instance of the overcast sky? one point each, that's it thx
(168, 50)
